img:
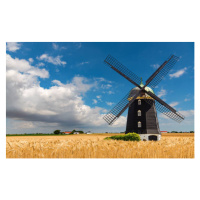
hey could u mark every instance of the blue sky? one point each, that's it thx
(67, 85)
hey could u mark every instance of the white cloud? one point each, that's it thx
(109, 103)
(187, 113)
(61, 104)
(174, 104)
(83, 63)
(56, 82)
(100, 79)
(15, 66)
(40, 64)
(121, 122)
(155, 66)
(110, 92)
(186, 125)
(22, 125)
(38, 109)
(78, 45)
(162, 93)
(54, 60)
(99, 98)
(30, 60)
(104, 111)
(42, 73)
(82, 84)
(186, 99)
(13, 46)
(106, 86)
(55, 46)
(94, 101)
(178, 73)
(25, 125)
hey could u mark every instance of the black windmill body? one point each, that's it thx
(142, 116)
(142, 102)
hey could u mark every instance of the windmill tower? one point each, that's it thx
(142, 116)
(142, 102)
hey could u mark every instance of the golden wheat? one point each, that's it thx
(94, 146)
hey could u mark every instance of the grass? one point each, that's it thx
(94, 146)
(125, 137)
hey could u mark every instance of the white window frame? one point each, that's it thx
(139, 124)
(139, 113)
(139, 102)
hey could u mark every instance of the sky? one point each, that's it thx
(66, 86)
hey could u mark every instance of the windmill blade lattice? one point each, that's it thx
(162, 71)
(178, 117)
(152, 82)
(122, 70)
(117, 111)
(165, 108)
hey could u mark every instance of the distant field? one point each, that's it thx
(178, 134)
(171, 145)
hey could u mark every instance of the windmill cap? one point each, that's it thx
(148, 89)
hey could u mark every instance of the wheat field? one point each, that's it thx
(171, 145)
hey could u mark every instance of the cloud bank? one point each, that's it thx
(61, 105)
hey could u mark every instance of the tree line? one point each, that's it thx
(58, 132)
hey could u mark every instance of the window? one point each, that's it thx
(139, 113)
(139, 102)
(139, 124)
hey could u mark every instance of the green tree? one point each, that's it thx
(80, 132)
(57, 132)
(73, 131)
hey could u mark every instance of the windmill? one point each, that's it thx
(142, 102)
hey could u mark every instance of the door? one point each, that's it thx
(153, 137)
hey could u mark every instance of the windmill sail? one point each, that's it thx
(117, 111)
(165, 108)
(178, 117)
(153, 81)
(161, 72)
(122, 70)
